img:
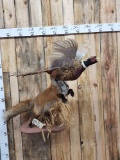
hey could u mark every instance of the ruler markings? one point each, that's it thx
(59, 30)
(4, 149)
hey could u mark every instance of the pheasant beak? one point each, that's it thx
(97, 59)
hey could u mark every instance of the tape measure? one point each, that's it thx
(41, 31)
(59, 30)
(4, 150)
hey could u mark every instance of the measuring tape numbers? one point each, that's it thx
(4, 150)
(59, 30)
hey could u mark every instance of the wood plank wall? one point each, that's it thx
(94, 133)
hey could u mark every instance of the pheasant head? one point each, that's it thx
(90, 61)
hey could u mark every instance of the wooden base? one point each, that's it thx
(25, 129)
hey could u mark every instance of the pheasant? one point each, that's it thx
(65, 63)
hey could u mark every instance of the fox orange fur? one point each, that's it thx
(40, 104)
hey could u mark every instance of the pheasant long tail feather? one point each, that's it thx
(26, 74)
(33, 73)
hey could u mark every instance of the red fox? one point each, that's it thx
(40, 104)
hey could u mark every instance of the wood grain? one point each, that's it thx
(8, 104)
(118, 57)
(1, 15)
(10, 59)
(74, 127)
(7, 93)
(60, 143)
(56, 140)
(22, 49)
(7, 46)
(97, 92)
(29, 52)
(86, 101)
(95, 88)
(110, 82)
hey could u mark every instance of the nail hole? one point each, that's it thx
(25, 2)
(80, 86)
(107, 67)
(95, 84)
(81, 142)
(112, 11)
(10, 15)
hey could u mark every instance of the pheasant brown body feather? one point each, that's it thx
(68, 73)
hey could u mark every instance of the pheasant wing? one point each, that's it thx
(63, 53)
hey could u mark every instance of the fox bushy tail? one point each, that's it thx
(23, 106)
